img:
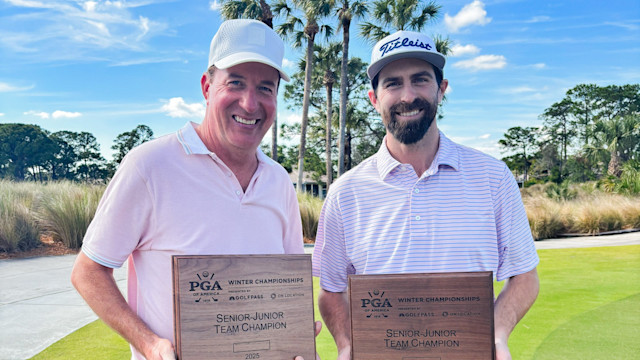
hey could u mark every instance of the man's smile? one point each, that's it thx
(409, 113)
(245, 121)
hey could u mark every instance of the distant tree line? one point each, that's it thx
(592, 133)
(28, 152)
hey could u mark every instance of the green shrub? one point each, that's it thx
(563, 191)
(630, 179)
(64, 211)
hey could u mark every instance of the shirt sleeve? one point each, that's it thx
(517, 252)
(330, 260)
(121, 219)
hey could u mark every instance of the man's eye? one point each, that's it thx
(392, 84)
(266, 89)
(235, 83)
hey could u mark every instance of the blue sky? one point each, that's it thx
(107, 66)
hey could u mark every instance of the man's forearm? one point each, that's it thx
(96, 285)
(515, 299)
(334, 308)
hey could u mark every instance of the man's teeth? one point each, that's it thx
(410, 113)
(244, 121)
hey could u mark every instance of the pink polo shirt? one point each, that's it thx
(172, 196)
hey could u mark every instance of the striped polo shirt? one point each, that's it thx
(464, 213)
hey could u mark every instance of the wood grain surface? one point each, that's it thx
(442, 316)
(243, 307)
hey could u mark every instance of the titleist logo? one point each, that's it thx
(397, 43)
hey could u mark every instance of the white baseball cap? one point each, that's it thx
(401, 45)
(242, 40)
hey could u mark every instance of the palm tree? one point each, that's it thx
(304, 31)
(261, 11)
(619, 137)
(327, 64)
(402, 15)
(346, 14)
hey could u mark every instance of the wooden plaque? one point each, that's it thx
(442, 316)
(243, 307)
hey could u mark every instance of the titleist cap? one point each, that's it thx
(401, 45)
(242, 40)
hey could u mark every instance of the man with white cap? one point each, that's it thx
(422, 203)
(206, 189)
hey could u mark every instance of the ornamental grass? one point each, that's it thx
(64, 210)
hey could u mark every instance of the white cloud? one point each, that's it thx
(293, 119)
(4, 87)
(177, 108)
(101, 27)
(537, 19)
(215, 5)
(286, 63)
(146, 61)
(485, 136)
(58, 114)
(519, 90)
(89, 6)
(482, 62)
(471, 14)
(40, 114)
(539, 66)
(462, 50)
(631, 27)
(144, 27)
(77, 26)
(65, 114)
(1, 114)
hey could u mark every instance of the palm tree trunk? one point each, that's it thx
(614, 164)
(343, 93)
(274, 139)
(347, 151)
(305, 112)
(328, 135)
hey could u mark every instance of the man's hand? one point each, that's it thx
(162, 350)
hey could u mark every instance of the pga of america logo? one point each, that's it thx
(205, 288)
(376, 305)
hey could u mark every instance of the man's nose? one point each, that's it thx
(249, 101)
(408, 94)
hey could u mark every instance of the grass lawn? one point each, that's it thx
(588, 308)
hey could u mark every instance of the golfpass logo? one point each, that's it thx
(376, 305)
(205, 289)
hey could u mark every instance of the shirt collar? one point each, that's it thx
(193, 145)
(446, 155)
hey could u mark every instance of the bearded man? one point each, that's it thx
(422, 203)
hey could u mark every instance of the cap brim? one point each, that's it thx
(246, 57)
(436, 59)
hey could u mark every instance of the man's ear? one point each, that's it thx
(204, 85)
(443, 88)
(373, 98)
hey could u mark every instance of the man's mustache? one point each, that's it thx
(417, 104)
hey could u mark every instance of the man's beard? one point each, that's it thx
(410, 132)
